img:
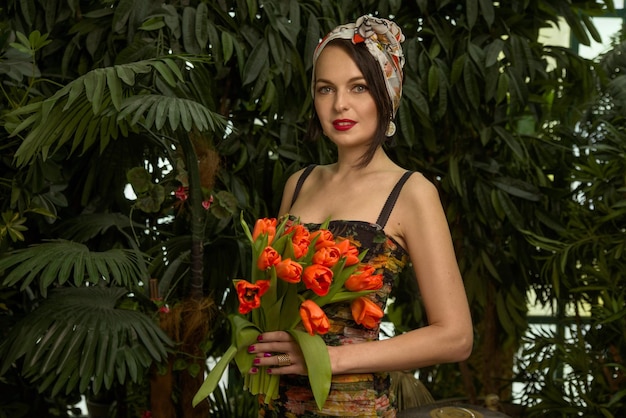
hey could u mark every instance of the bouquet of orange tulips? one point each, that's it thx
(295, 272)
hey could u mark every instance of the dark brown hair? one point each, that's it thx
(374, 78)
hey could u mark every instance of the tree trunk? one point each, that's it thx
(496, 354)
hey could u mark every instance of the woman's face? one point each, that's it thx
(343, 102)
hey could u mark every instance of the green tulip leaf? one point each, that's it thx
(214, 377)
(317, 362)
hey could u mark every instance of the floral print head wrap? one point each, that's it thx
(382, 38)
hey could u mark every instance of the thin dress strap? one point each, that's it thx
(391, 200)
(300, 182)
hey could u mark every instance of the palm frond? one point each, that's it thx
(104, 104)
(79, 337)
(410, 391)
(170, 262)
(59, 261)
(154, 111)
(230, 401)
(84, 227)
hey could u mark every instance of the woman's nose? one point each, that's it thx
(341, 101)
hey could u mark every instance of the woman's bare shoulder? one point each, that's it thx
(289, 189)
(419, 186)
(419, 199)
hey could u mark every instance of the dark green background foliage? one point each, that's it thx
(525, 141)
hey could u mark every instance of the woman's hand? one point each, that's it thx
(279, 352)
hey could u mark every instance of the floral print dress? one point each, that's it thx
(351, 395)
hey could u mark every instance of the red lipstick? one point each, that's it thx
(343, 124)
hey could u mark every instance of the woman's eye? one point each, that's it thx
(324, 90)
(360, 88)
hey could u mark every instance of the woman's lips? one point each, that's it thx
(343, 124)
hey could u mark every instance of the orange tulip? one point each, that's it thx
(269, 257)
(313, 318)
(325, 238)
(364, 279)
(300, 240)
(265, 226)
(317, 278)
(249, 294)
(327, 256)
(366, 312)
(349, 251)
(289, 271)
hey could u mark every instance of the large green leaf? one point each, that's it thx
(79, 337)
(98, 106)
(60, 261)
(317, 362)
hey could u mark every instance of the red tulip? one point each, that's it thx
(317, 278)
(366, 313)
(313, 318)
(249, 294)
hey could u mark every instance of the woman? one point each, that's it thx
(395, 214)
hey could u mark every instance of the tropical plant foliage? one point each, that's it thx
(577, 366)
(72, 353)
(202, 103)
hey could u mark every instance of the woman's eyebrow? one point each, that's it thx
(352, 80)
